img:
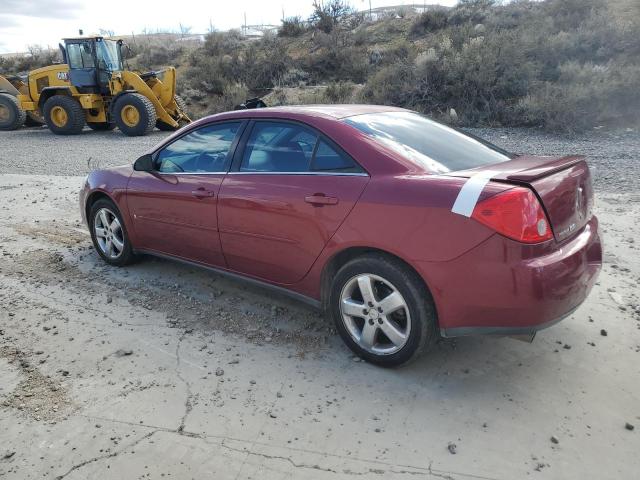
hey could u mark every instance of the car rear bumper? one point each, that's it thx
(502, 287)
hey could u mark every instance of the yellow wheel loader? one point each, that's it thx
(92, 87)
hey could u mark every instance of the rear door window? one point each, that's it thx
(283, 147)
(279, 147)
(330, 159)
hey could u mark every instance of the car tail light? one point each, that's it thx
(515, 213)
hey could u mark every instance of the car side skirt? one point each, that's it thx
(312, 302)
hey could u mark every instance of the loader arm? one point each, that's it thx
(132, 81)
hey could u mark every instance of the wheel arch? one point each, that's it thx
(92, 198)
(340, 258)
(49, 92)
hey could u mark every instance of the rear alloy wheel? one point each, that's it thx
(382, 310)
(134, 114)
(64, 115)
(12, 116)
(109, 234)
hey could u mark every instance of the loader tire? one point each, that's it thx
(165, 127)
(64, 115)
(101, 126)
(12, 116)
(135, 115)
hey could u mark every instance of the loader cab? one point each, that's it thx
(91, 62)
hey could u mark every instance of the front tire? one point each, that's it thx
(382, 310)
(109, 234)
(64, 115)
(134, 114)
(12, 116)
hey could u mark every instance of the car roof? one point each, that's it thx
(336, 112)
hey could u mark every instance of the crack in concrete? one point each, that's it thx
(439, 474)
(83, 306)
(220, 441)
(106, 456)
(278, 457)
(377, 471)
(188, 404)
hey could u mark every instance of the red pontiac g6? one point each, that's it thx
(401, 228)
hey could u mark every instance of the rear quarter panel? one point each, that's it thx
(410, 217)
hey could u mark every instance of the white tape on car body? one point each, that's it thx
(470, 192)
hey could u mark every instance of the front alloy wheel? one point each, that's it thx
(109, 234)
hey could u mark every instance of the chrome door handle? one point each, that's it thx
(319, 199)
(202, 193)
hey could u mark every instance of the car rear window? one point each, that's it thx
(435, 147)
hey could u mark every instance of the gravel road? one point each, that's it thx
(160, 370)
(613, 157)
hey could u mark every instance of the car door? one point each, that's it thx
(173, 208)
(287, 193)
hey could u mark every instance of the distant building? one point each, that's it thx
(394, 10)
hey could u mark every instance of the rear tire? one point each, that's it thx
(102, 126)
(397, 331)
(134, 114)
(12, 116)
(64, 115)
(107, 227)
(165, 127)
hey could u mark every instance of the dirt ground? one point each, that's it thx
(159, 370)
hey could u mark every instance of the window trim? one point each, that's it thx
(232, 148)
(236, 162)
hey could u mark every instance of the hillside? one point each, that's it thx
(558, 64)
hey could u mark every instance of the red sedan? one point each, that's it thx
(401, 228)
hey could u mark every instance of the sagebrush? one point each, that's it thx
(558, 64)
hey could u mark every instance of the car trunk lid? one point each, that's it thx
(563, 185)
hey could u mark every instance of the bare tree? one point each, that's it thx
(330, 13)
(105, 32)
(184, 30)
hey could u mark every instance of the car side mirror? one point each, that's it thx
(144, 163)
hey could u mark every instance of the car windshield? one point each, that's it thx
(108, 55)
(433, 146)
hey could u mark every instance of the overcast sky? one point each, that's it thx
(45, 22)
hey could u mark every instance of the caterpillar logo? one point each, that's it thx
(64, 76)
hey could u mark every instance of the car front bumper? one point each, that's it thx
(502, 287)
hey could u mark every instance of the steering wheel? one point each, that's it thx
(208, 162)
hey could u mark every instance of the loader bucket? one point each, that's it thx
(8, 87)
(16, 88)
(160, 88)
